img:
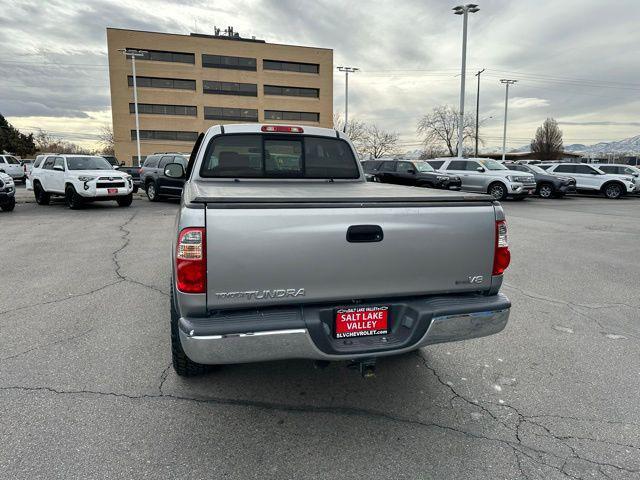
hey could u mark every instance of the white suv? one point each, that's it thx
(484, 175)
(80, 179)
(592, 179)
(12, 167)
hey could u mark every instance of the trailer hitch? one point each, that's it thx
(367, 367)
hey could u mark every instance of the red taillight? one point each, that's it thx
(281, 129)
(191, 261)
(502, 256)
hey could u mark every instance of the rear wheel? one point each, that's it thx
(498, 191)
(546, 190)
(74, 201)
(9, 206)
(183, 365)
(612, 190)
(152, 191)
(125, 201)
(42, 197)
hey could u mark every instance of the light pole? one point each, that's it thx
(346, 71)
(463, 10)
(506, 82)
(478, 109)
(133, 54)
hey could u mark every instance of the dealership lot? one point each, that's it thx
(87, 390)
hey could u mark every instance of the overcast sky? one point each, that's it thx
(576, 61)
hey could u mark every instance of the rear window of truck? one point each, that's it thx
(279, 156)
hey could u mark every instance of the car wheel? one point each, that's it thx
(613, 191)
(545, 190)
(498, 191)
(152, 191)
(9, 206)
(42, 197)
(183, 365)
(125, 201)
(74, 201)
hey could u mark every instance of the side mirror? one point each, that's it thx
(59, 168)
(480, 169)
(122, 164)
(411, 171)
(116, 167)
(174, 170)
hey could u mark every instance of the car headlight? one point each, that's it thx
(511, 178)
(629, 179)
(86, 179)
(442, 179)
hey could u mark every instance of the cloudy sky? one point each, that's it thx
(576, 61)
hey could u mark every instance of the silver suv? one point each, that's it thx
(485, 175)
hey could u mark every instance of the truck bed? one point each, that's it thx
(318, 192)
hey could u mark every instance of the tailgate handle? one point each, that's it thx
(364, 233)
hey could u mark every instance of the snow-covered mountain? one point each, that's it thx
(627, 146)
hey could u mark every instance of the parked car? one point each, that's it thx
(155, 182)
(80, 179)
(488, 176)
(590, 179)
(7, 193)
(618, 169)
(12, 167)
(37, 163)
(410, 172)
(312, 261)
(133, 171)
(547, 185)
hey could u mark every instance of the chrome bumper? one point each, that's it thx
(297, 343)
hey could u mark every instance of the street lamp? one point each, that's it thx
(131, 53)
(478, 109)
(505, 82)
(346, 71)
(463, 10)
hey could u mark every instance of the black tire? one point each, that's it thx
(498, 191)
(183, 365)
(125, 201)
(42, 197)
(135, 189)
(9, 206)
(613, 190)
(152, 191)
(74, 201)
(546, 190)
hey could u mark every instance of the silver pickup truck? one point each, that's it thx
(283, 250)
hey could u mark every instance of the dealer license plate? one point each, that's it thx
(361, 322)
(112, 191)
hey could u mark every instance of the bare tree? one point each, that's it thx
(432, 151)
(378, 142)
(356, 130)
(440, 128)
(48, 143)
(548, 141)
(106, 140)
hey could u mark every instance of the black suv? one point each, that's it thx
(547, 185)
(410, 172)
(153, 179)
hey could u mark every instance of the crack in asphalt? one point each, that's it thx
(338, 410)
(114, 256)
(56, 342)
(574, 308)
(520, 444)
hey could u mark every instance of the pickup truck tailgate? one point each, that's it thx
(261, 256)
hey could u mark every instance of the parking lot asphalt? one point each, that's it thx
(87, 390)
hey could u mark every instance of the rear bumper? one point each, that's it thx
(426, 321)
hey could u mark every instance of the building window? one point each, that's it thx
(291, 91)
(233, 63)
(291, 66)
(236, 114)
(159, 109)
(155, 82)
(296, 116)
(162, 56)
(230, 88)
(165, 135)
